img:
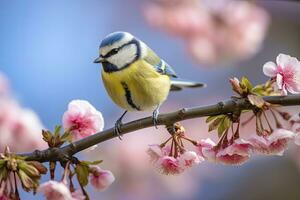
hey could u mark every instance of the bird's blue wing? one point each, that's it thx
(160, 65)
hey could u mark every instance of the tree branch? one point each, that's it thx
(229, 106)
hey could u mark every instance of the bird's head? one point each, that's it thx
(118, 50)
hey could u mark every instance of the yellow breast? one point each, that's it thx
(137, 87)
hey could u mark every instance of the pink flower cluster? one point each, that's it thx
(285, 73)
(168, 164)
(233, 152)
(240, 150)
(82, 119)
(20, 128)
(236, 153)
(214, 30)
(53, 190)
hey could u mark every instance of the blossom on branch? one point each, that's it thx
(174, 158)
(286, 73)
(189, 159)
(101, 179)
(206, 149)
(54, 190)
(82, 119)
(169, 165)
(274, 144)
(234, 154)
(155, 151)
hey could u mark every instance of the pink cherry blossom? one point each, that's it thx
(286, 72)
(82, 119)
(155, 152)
(206, 149)
(213, 31)
(101, 179)
(274, 144)
(78, 195)
(189, 159)
(235, 154)
(26, 132)
(53, 190)
(169, 165)
(20, 128)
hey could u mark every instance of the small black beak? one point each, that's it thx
(99, 60)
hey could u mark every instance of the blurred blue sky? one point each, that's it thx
(47, 49)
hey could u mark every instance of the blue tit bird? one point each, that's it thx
(134, 76)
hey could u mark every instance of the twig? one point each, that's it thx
(230, 106)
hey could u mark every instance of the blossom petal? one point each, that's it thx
(274, 144)
(101, 179)
(53, 190)
(189, 159)
(270, 69)
(235, 154)
(282, 59)
(279, 81)
(169, 165)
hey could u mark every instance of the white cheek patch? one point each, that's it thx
(125, 56)
(125, 39)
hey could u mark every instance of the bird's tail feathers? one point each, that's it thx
(177, 85)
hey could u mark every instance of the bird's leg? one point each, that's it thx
(118, 125)
(155, 116)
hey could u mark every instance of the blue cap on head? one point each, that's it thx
(112, 38)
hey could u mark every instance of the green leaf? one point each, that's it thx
(46, 135)
(247, 83)
(2, 163)
(57, 131)
(224, 126)
(258, 90)
(211, 118)
(30, 170)
(82, 172)
(67, 136)
(3, 174)
(215, 124)
(96, 162)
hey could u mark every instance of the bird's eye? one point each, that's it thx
(114, 51)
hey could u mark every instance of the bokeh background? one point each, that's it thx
(47, 51)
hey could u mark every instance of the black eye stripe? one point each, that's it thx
(115, 50)
(112, 52)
